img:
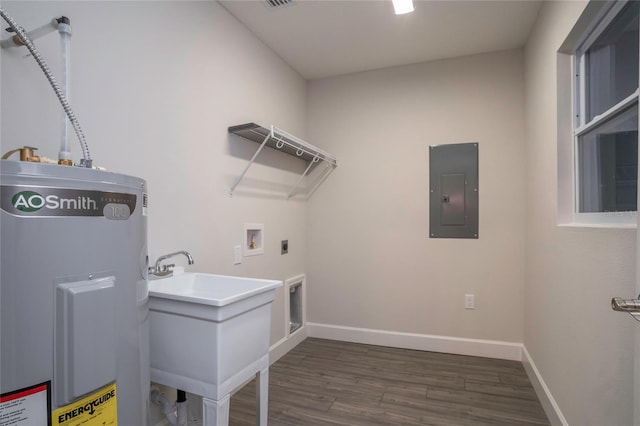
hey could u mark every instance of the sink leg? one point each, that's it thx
(262, 396)
(216, 413)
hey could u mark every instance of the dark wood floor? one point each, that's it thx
(325, 382)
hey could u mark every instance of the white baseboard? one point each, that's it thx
(549, 404)
(284, 345)
(422, 342)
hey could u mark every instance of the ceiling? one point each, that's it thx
(322, 38)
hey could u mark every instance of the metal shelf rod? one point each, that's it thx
(246, 169)
(310, 149)
(299, 145)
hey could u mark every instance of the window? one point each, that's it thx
(606, 122)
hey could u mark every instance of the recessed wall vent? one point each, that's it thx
(278, 3)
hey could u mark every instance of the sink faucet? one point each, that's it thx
(161, 270)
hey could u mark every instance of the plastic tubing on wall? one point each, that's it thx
(24, 38)
(65, 47)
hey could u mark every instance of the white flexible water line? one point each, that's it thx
(24, 38)
(65, 47)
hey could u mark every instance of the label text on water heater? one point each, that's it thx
(30, 201)
(97, 409)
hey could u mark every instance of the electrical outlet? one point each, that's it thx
(237, 255)
(469, 301)
(284, 247)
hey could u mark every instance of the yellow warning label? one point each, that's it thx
(98, 409)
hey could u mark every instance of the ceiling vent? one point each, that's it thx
(278, 3)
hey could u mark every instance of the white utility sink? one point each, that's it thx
(209, 334)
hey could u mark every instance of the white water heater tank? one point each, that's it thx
(73, 297)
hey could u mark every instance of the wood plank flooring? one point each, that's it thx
(325, 382)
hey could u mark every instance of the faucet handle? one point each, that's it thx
(161, 270)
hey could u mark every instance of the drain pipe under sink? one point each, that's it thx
(176, 414)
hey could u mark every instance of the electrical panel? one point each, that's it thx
(453, 187)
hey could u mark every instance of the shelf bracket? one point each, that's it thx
(246, 169)
(311, 163)
(323, 176)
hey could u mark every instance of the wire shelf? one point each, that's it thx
(287, 143)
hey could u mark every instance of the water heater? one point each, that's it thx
(73, 296)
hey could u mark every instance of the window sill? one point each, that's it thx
(599, 225)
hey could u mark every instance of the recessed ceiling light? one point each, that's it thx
(403, 6)
(276, 3)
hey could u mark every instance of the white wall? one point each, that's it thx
(583, 350)
(155, 86)
(371, 263)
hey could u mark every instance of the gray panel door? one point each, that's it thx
(453, 182)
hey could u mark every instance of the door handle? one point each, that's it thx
(632, 306)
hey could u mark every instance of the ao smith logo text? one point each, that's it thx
(29, 201)
(42, 201)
